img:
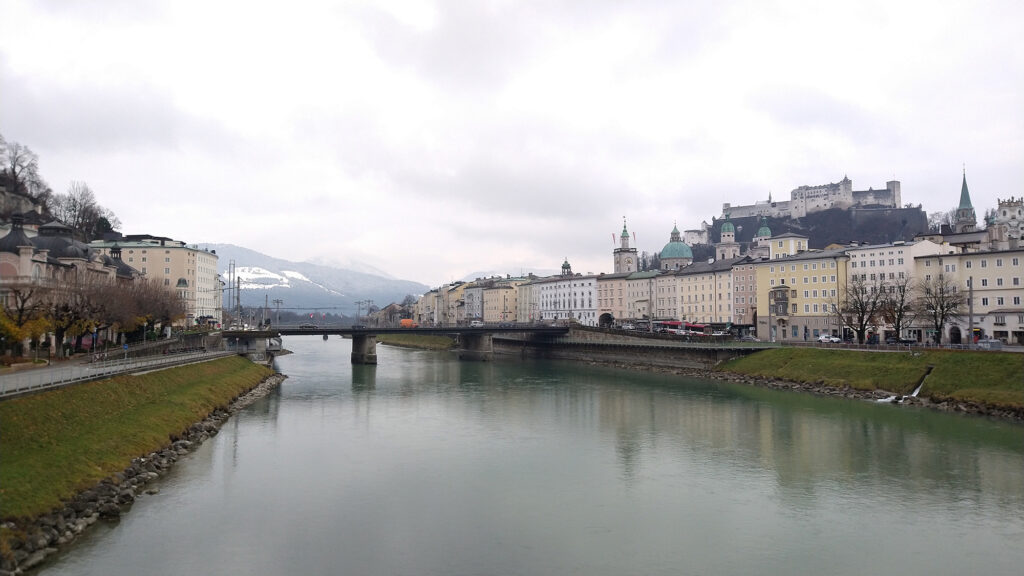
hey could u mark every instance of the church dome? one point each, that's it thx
(764, 231)
(727, 226)
(676, 248)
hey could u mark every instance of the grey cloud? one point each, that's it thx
(90, 117)
(807, 108)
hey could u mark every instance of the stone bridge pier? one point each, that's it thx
(364, 348)
(476, 347)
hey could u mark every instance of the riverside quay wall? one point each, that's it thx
(613, 347)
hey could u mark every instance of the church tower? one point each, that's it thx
(727, 246)
(965, 219)
(625, 257)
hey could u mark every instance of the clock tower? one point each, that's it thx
(625, 257)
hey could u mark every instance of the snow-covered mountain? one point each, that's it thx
(307, 286)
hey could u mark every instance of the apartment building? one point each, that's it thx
(995, 282)
(796, 294)
(187, 270)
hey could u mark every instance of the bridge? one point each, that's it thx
(475, 343)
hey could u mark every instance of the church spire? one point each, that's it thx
(965, 219)
(965, 195)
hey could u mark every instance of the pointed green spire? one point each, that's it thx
(965, 196)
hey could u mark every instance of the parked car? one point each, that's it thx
(990, 344)
(829, 339)
(628, 327)
(748, 338)
(476, 324)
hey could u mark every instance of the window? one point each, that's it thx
(984, 282)
(984, 263)
(999, 281)
(167, 270)
(999, 300)
(984, 301)
(999, 262)
(967, 264)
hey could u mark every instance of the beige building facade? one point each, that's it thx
(184, 269)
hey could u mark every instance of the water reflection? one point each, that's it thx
(427, 465)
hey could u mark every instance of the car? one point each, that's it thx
(627, 327)
(506, 325)
(476, 324)
(990, 344)
(829, 339)
(748, 338)
(307, 326)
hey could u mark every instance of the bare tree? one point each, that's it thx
(66, 308)
(21, 170)
(152, 304)
(22, 316)
(899, 308)
(859, 305)
(937, 219)
(79, 209)
(939, 302)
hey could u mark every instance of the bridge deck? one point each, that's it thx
(331, 330)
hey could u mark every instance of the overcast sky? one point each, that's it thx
(434, 139)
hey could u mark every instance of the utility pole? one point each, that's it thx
(970, 312)
(278, 302)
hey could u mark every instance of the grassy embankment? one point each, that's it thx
(992, 378)
(422, 341)
(57, 443)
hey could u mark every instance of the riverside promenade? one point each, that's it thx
(83, 369)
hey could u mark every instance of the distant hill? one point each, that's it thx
(307, 286)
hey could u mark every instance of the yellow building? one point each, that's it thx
(796, 294)
(997, 278)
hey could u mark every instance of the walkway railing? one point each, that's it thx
(52, 377)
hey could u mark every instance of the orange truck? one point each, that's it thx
(407, 323)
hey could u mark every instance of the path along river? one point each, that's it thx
(424, 465)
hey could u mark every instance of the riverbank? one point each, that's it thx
(983, 383)
(418, 341)
(78, 454)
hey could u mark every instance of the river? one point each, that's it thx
(424, 465)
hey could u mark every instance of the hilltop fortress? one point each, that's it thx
(809, 199)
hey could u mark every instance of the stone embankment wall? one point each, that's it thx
(110, 498)
(591, 345)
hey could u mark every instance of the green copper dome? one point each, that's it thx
(676, 248)
(727, 227)
(764, 231)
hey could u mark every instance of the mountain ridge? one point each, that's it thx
(305, 285)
